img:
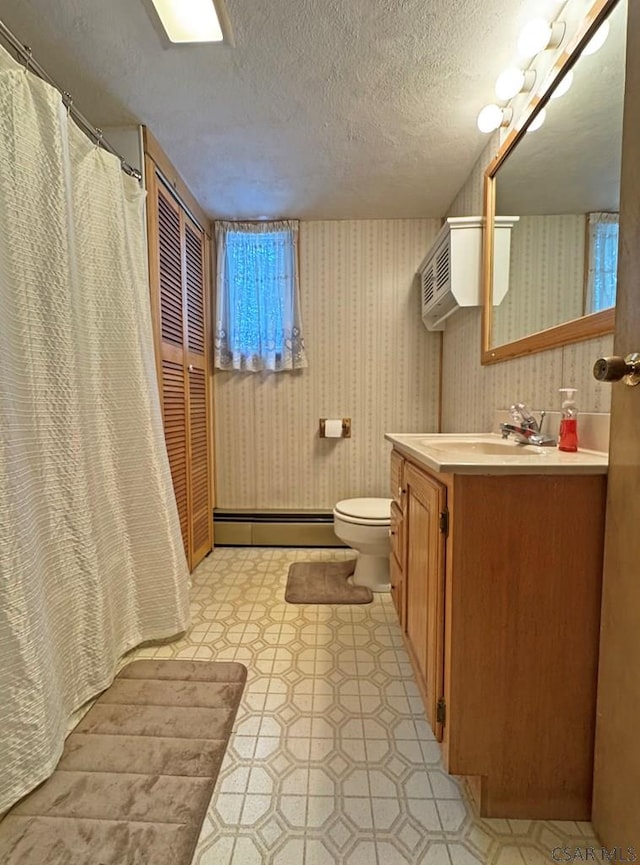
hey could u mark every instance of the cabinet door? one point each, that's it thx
(424, 585)
(396, 560)
(397, 587)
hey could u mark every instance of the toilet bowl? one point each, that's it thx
(363, 525)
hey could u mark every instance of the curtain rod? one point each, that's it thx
(25, 54)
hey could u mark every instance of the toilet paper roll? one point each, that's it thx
(333, 428)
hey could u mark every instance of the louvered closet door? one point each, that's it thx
(181, 311)
(199, 476)
(173, 383)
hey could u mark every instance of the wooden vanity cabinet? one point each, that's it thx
(501, 622)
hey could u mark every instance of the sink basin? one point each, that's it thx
(477, 453)
(480, 447)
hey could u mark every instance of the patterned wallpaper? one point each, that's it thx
(546, 275)
(471, 392)
(370, 359)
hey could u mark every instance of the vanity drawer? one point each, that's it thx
(396, 532)
(397, 471)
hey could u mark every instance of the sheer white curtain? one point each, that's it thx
(258, 321)
(91, 558)
(603, 261)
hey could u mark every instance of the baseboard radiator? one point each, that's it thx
(274, 528)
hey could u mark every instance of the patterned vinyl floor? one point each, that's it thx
(331, 760)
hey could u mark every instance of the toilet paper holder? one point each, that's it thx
(346, 428)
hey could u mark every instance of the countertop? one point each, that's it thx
(467, 454)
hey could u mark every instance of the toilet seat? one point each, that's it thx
(365, 526)
(365, 511)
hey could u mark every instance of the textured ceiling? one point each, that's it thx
(324, 109)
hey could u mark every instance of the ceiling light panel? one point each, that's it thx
(189, 20)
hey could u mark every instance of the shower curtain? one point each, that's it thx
(91, 557)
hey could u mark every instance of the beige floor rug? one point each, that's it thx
(324, 583)
(136, 775)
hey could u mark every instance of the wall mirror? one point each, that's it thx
(561, 184)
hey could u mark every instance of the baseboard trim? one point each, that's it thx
(274, 529)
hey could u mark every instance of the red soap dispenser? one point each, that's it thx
(568, 437)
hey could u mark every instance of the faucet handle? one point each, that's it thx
(522, 415)
(516, 412)
(543, 415)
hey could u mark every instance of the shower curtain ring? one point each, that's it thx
(67, 101)
(28, 56)
(99, 136)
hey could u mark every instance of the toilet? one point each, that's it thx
(363, 524)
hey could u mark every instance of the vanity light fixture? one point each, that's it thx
(513, 81)
(538, 35)
(564, 85)
(597, 40)
(492, 117)
(537, 122)
(189, 20)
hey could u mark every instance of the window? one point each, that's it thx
(603, 261)
(258, 323)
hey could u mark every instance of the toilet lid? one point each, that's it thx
(372, 510)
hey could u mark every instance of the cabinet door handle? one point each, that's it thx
(617, 368)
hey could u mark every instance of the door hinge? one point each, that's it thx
(441, 711)
(444, 522)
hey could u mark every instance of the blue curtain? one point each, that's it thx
(258, 324)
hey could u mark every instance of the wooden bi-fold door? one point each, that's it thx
(178, 275)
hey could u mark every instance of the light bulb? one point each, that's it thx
(564, 85)
(534, 37)
(513, 81)
(597, 40)
(538, 121)
(490, 118)
(538, 35)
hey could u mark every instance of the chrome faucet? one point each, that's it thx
(525, 428)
